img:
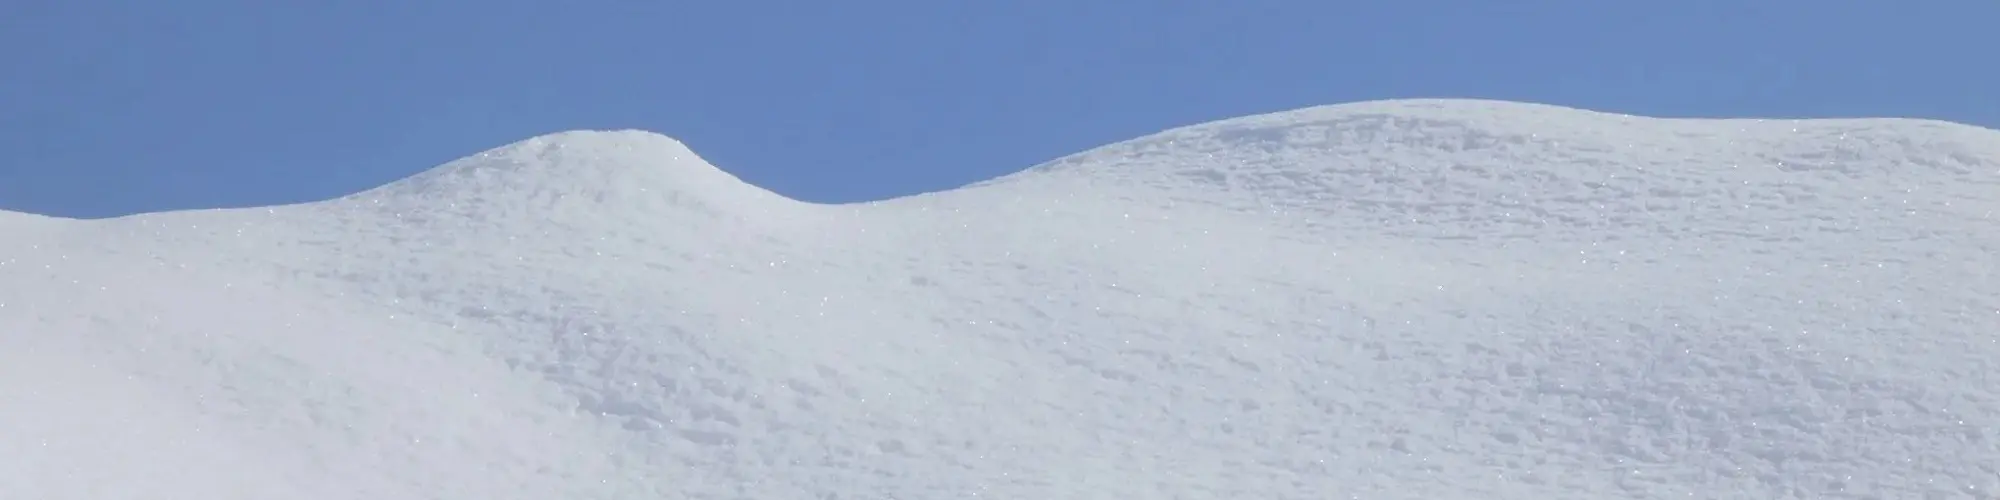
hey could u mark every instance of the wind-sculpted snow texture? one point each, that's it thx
(1424, 299)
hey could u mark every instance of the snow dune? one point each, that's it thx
(1418, 299)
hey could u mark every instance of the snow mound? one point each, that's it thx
(1402, 300)
(575, 174)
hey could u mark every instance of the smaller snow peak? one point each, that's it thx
(622, 139)
(580, 158)
(621, 173)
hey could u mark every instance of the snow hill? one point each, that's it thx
(1418, 299)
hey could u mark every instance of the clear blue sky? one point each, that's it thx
(115, 107)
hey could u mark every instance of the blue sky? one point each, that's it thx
(110, 107)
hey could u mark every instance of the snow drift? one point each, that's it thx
(1414, 299)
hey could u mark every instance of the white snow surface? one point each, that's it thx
(1412, 299)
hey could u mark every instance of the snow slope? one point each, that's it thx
(1419, 299)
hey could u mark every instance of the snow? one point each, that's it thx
(1413, 299)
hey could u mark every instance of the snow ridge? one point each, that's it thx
(1518, 170)
(1403, 299)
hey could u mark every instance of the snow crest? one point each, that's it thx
(1424, 168)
